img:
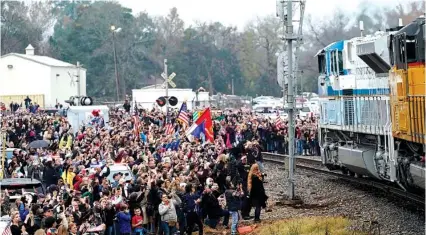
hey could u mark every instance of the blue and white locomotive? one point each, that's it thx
(355, 122)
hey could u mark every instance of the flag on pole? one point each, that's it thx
(169, 128)
(196, 115)
(183, 115)
(7, 231)
(278, 122)
(203, 125)
(136, 125)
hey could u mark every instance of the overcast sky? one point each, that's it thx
(239, 12)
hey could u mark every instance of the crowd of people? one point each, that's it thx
(177, 185)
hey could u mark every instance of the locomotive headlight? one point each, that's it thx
(322, 80)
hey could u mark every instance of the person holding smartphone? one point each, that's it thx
(50, 223)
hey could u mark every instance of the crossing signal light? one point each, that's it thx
(83, 101)
(161, 101)
(173, 101)
(86, 101)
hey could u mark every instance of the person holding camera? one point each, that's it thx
(167, 212)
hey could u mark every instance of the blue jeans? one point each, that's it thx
(299, 146)
(270, 146)
(140, 231)
(234, 224)
(168, 230)
(109, 230)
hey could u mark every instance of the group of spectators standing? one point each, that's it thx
(176, 186)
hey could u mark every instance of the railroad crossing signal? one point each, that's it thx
(169, 79)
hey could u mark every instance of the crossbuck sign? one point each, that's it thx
(169, 80)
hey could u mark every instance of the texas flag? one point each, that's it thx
(203, 126)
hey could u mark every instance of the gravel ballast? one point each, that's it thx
(325, 195)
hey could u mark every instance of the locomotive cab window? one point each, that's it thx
(332, 62)
(411, 50)
(321, 64)
(399, 52)
(390, 49)
(340, 61)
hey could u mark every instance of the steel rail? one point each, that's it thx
(279, 159)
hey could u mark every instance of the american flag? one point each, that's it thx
(7, 231)
(278, 122)
(136, 126)
(169, 129)
(183, 115)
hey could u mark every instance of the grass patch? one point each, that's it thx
(309, 226)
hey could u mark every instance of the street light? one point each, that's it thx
(114, 30)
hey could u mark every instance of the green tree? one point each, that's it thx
(86, 37)
(23, 24)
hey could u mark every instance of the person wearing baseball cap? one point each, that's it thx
(117, 176)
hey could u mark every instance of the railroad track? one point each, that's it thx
(315, 165)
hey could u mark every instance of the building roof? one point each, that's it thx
(29, 47)
(45, 60)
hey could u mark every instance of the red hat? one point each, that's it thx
(95, 112)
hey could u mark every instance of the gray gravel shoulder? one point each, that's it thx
(328, 196)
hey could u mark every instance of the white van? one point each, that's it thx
(120, 168)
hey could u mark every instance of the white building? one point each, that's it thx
(146, 97)
(45, 80)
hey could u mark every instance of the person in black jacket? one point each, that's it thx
(107, 215)
(243, 172)
(50, 174)
(233, 201)
(256, 191)
(233, 170)
(126, 106)
(212, 209)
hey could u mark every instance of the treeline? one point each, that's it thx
(210, 55)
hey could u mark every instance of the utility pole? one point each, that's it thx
(115, 65)
(3, 148)
(285, 11)
(232, 86)
(167, 90)
(290, 97)
(78, 79)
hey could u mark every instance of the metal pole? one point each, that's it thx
(232, 86)
(3, 156)
(290, 97)
(78, 79)
(167, 90)
(115, 66)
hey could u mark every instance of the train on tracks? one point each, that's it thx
(372, 98)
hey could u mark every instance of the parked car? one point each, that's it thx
(18, 187)
(305, 112)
